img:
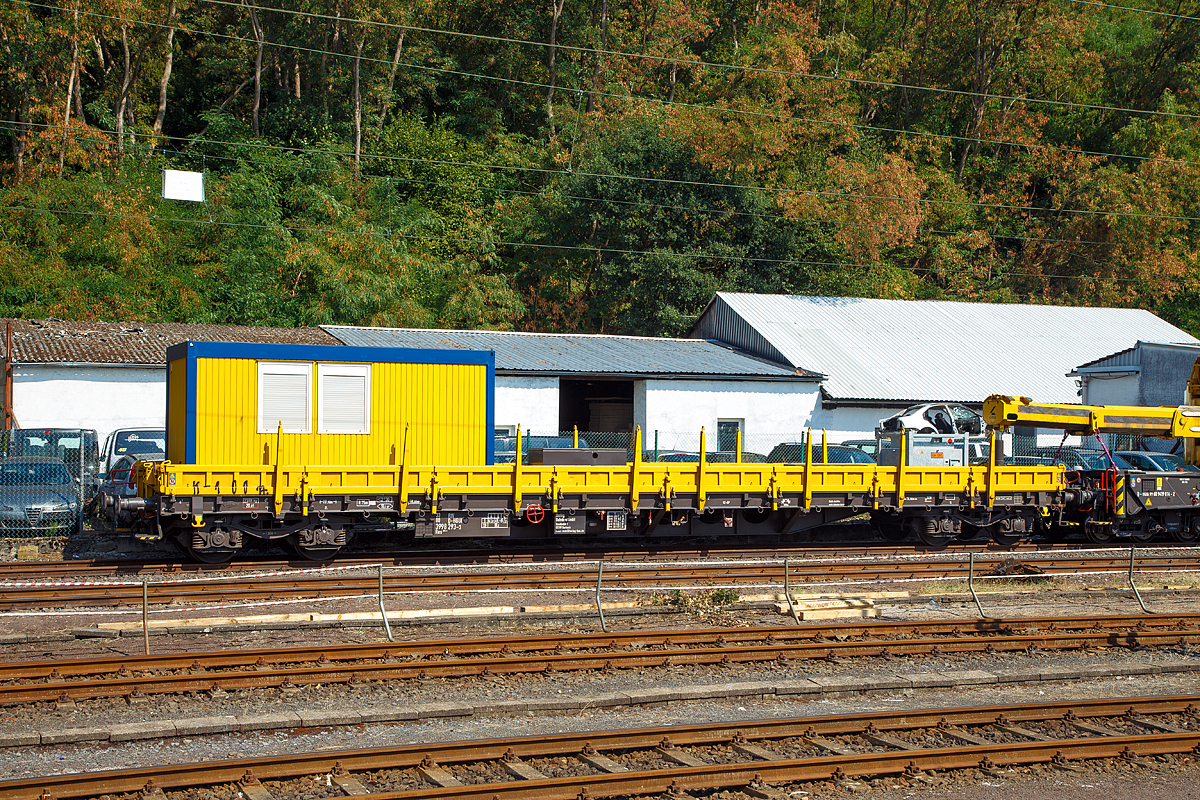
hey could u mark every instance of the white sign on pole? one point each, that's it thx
(181, 185)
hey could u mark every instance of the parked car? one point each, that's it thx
(935, 418)
(1157, 462)
(505, 447)
(717, 457)
(149, 444)
(38, 494)
(793, 453)
(1074, 458)
(868, 446)
(73, 447)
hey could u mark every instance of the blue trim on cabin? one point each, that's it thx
(489, 449)
(190, 414)
(191, 351)
(327, 352)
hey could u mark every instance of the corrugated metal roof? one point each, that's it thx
(49, 341)
(925, 350)
(581, 354)
(1130, 357)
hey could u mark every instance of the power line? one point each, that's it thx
(625, 97)
(710, 64)
(583, 198)
(588, 250)
(1146, 11)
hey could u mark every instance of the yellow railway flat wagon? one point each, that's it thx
(245, 404)
(210, 507)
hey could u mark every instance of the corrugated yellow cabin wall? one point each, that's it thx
(177, 411)
(444, 406)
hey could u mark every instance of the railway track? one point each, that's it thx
(228, 670)
(764, 756)
(764, 574)
(25, 570)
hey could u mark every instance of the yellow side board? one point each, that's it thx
(649, 479)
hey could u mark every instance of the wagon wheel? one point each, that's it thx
(888, 529)
(929, 535)
(1007, 539)
(183, 541)
(322, 553)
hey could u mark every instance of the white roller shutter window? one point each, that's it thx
(284, 393)
(344, 402)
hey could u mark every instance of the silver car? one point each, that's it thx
(38, 495)
(944, 418)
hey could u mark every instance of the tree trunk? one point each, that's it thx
(62, 154)
(21, 117)
(358, 48)
(386, 105)
(556, 7)
(987, 54)
(591, 101)
(259, 37)
(296, 76)
(123, 95)
(168, 61)
(337, 41)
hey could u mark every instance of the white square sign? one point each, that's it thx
(181, 185)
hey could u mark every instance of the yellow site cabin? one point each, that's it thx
(237, 403)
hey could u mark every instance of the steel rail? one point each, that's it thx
(493, 645)
(650, 577)
(506, 553)
(286, 766)
(349, 664)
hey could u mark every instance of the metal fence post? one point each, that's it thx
(146, 614)
(971, 583)
(382, 612)
(82, 489)
(1133, 586)
(599, 607)
(787, 590)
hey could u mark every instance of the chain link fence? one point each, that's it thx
(1089, 452)
(47, 476)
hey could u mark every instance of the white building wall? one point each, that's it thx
(845, 423)
(529, 402)
(102, 398)
(1116, 390)
(677, 409)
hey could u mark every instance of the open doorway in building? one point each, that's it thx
(595, 405)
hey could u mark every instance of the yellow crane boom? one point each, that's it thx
(1004, 411)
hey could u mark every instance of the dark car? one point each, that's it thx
(717, 457)
(793, 453)
(38, 495)
(868, 446)
(1157, 462)
(75, 448)
(1075, 458)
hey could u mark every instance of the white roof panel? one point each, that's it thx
(927, 350)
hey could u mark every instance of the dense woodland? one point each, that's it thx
(599, 166)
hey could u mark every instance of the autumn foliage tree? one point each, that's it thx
(592, 166)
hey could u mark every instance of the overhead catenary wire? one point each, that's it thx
(653, 100)
(591, 249)
(105, 137)
(834, 195)
(703, 64)
(769, 189)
